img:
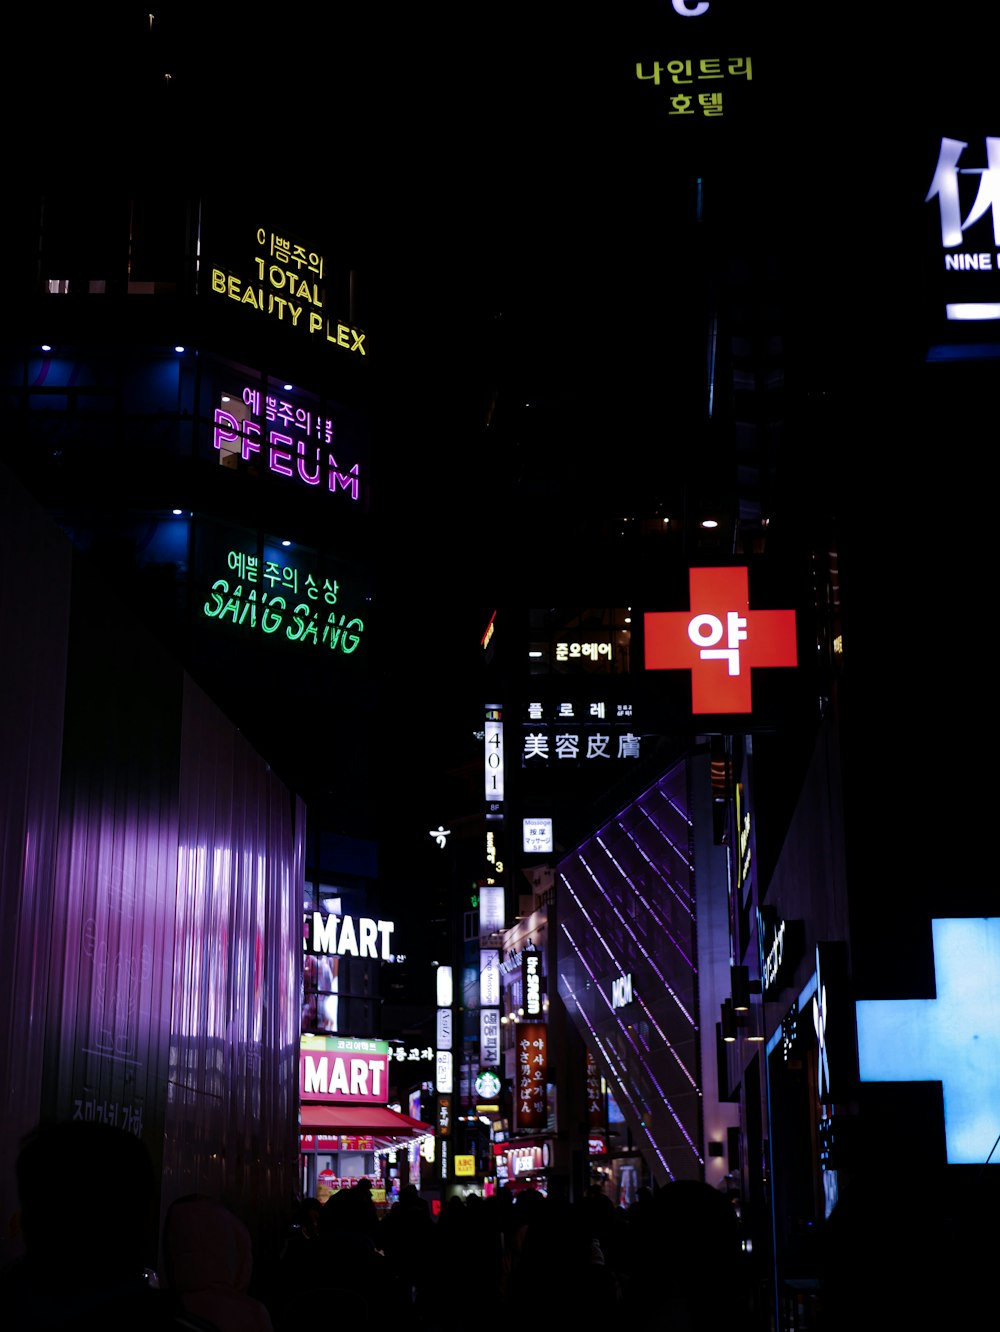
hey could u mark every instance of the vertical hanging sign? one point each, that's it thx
(493, 753)
(530, 1109)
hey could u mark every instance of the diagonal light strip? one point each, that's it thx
(632, 935)
(627, 1035)
(656, 916)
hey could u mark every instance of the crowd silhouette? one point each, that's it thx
(91, 1250)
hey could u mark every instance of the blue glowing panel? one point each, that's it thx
(953, 1039)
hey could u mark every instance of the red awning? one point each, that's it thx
(376, 1121)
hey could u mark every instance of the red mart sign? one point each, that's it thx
(719, 640)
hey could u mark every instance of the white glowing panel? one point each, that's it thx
(953, 1039)
(444, 1029)
(444, 987)
(492, 910)
(442, 1073)
(489, 977)
(489, 1037)
(536, 835)
(493, 757)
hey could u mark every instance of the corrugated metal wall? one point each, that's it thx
(151, 899)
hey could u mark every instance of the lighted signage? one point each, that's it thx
(411, 1055)
(487, 637)
(531, 983)
(527, 1158)
(337, 1068)
(443, 982)
(621, 991)
(285, 283)
(720, 640)
(781, 944)
(489, 1037)
(953, 1038)
(531, 1052)
(339, 936)
(493, 754)
(596, 1145)
(695, 87)
(492, 909)
(283, 602)
(594, 650)
(444, 1115)
(745, 858)
(488, 1084)
(596, 1116)
(285, 438)
(492, 859)
(464, 1165)
(444, 1029)
(570, 732)
(536, 835)
(967, 193)
(489, 977)
(443, 1072)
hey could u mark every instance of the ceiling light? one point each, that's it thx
(709, 522)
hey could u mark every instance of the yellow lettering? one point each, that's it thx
(315, 322)
(250, 299)
(218, 280)
(341, 336)
(233, 288)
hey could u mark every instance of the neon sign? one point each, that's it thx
(719, 640)
(946, 188)
(338, 936)
(281, 435)
(284, 285)
(273, 612)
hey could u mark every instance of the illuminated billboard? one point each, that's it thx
(720, 640)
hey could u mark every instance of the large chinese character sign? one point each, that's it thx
(719, 640)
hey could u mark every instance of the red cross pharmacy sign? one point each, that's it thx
(719, 640)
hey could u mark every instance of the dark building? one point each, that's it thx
(735, 266)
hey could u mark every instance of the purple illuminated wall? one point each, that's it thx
(33, 635)
(151, 900)
(626, 907)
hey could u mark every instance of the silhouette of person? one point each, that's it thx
(87, 1196)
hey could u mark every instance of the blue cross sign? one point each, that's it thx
(953, 1039)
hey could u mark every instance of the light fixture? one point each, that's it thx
(288, 387)
(709, 522)
(728, 1022)
(178, 348)
(46, 346)
(740, 978)
(177, 512)
(286, 543)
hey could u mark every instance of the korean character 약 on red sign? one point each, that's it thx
(677, 68)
